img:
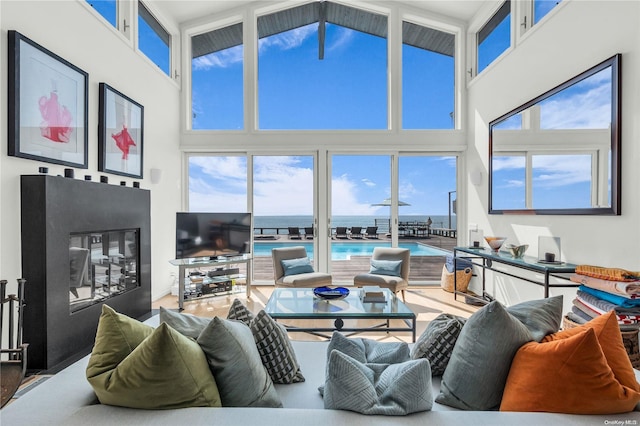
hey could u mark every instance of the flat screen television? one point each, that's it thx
(212, 234)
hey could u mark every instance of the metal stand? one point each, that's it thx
(12, 370)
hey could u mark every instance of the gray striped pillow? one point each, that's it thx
(275, 350)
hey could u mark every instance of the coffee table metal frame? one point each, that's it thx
(301, 304)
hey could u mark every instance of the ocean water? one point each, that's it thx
(383, 221)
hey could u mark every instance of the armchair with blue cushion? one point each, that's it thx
(292, 268)
(389, 269)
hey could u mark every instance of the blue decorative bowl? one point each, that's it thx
(328, 293)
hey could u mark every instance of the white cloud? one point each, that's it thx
(343, 38)
(220, 59)
(368, 182)
(561, 170)
(345, 202)
(289, 39)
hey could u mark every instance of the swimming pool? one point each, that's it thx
(344, 250)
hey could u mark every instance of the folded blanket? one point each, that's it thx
(615, 274)
(461, 264)
(628, 289)
(589, 311)
(612, 298)
(599, 307)
(577, 316)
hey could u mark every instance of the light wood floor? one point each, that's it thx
(427, 302)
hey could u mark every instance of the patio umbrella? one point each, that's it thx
(387, 202)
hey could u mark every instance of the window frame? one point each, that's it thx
(494, 20)
(153, 14)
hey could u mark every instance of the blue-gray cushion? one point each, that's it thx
(437, 341)
(386, 267)
(186, 324)
(236, 364)
(367, 350)
(541, 317)
(382, 389)
(477, 371)
(296, 266)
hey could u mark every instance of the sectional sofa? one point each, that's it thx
(68, 399)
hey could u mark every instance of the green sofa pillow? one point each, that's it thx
(541, 317)
(236, 365)
(165, 370)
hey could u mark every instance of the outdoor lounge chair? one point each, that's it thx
(394, 283)
(294, 233)
(356, 232)
(371, 232)
(309, 279)
(308, 232)
(341, 232)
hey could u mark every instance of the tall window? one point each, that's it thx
(542, 7)
(494, 37)
(217, 183)
(216, 75)
(428, 60)
(322, 66)
(153, 40)
(107, 8)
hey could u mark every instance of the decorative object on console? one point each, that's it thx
(517, 251)
(46, 89)
(69, 173)
(549, 250)
(495, 242)
(475, 238)
(120, 133)
(328, 293)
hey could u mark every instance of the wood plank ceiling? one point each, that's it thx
(324, 12)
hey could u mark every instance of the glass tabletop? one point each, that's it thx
(301, 303)
(528, 262)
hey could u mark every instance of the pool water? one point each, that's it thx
(344, 250)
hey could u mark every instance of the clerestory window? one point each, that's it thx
(217, 62)
(107, 8)
(153, 39)
(428, 78)
(322, 65)
(494, 37)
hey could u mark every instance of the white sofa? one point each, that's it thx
(68, 399)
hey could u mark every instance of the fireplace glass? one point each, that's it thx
(102, 265)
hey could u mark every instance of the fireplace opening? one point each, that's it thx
(102, 265)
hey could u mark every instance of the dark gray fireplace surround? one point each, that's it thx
(53, 208)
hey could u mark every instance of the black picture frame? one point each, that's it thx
(47, 105)
(120, 133)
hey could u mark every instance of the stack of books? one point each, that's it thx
(372, 294)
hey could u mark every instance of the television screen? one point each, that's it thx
(212, 234)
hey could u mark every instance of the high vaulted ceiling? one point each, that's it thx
(186, 10)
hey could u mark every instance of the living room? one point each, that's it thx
(575, 37)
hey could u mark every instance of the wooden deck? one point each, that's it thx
(423, 268)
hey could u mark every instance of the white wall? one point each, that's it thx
(578, 35)
(75, 32)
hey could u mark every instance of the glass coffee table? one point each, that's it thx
(301, 304)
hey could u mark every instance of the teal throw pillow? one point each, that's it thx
(236, 365)
(477, 372)
(296, 266)
(386, 267)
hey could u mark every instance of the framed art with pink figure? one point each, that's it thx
(47, 105)
(120, 133)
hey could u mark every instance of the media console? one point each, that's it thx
(219, 279)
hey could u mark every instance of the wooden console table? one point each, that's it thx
(527, 263)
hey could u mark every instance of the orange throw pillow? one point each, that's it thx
(608, 333)
(566, 376)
